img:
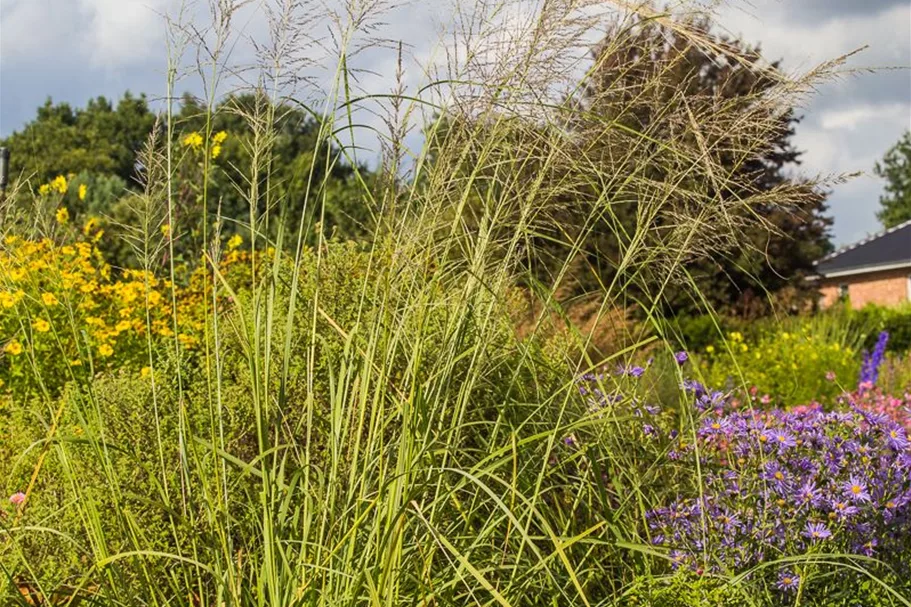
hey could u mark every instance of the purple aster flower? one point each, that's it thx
(715, 426)
(780, 438)
(856, 489)
(843, 509)
(868, 548)
(808, 495)
(897, 438)
(691, 385)
(681, 357)
(788, 581)
(816, 532)
(631, 370)
(648, 430)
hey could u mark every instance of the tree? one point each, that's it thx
(651, 86)
(98, 146)
(895, 168)
(97, 139)
(295, 177)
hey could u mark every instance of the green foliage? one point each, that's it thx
(895, 168)
(300, 171)
(872, 319)
(97, 139)
(652, 82)
(789, 362)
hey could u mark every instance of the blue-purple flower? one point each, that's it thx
(788, 580)
(816, 532)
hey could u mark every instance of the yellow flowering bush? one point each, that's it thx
(64, 314)
(793, 366)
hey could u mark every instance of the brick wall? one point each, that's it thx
(887, 288)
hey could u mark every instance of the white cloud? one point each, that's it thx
(91, 33)
(852, 117)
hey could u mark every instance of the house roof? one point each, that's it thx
(887, 250)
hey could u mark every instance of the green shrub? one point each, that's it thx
(797, 362)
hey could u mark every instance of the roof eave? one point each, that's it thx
(866, 269)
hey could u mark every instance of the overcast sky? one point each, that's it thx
(72, 50)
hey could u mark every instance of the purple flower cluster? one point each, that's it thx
(869, 370)
(777, 483)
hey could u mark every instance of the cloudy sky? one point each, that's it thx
(72, 50)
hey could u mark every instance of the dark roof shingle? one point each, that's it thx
(886, 249)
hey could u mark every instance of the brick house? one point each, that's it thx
(875, 270)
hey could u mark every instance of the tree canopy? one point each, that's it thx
(649, 86)
(100, 146)
(895, 168)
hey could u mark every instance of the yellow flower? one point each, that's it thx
(710, 349)
(235, 241)
(44, 189)
(193, 140)
(166, 230)
(62, 215)
(216, 151)
(16, 274)
(145, 371)
(123, 325)
(82, 191)
(59, 184)
(90, 225)
(75, 363)
(219, 137)
(67, 250)
(49, 299)
(41, 325)
(13, 348)
(98, 235)
(8, 300)
(105, 350)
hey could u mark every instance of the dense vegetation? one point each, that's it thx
(252, 372)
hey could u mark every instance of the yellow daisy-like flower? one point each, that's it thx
(49, 299)
(90, 225)
(44, 189)
(105, 350)
(13, 348)
(145, 371)
(8, 300)
(59, 184)
(82, 191)
(219, 137)
(235, 241)
(63, 215)
(41, 325)
(16, 274)
(193, 140)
